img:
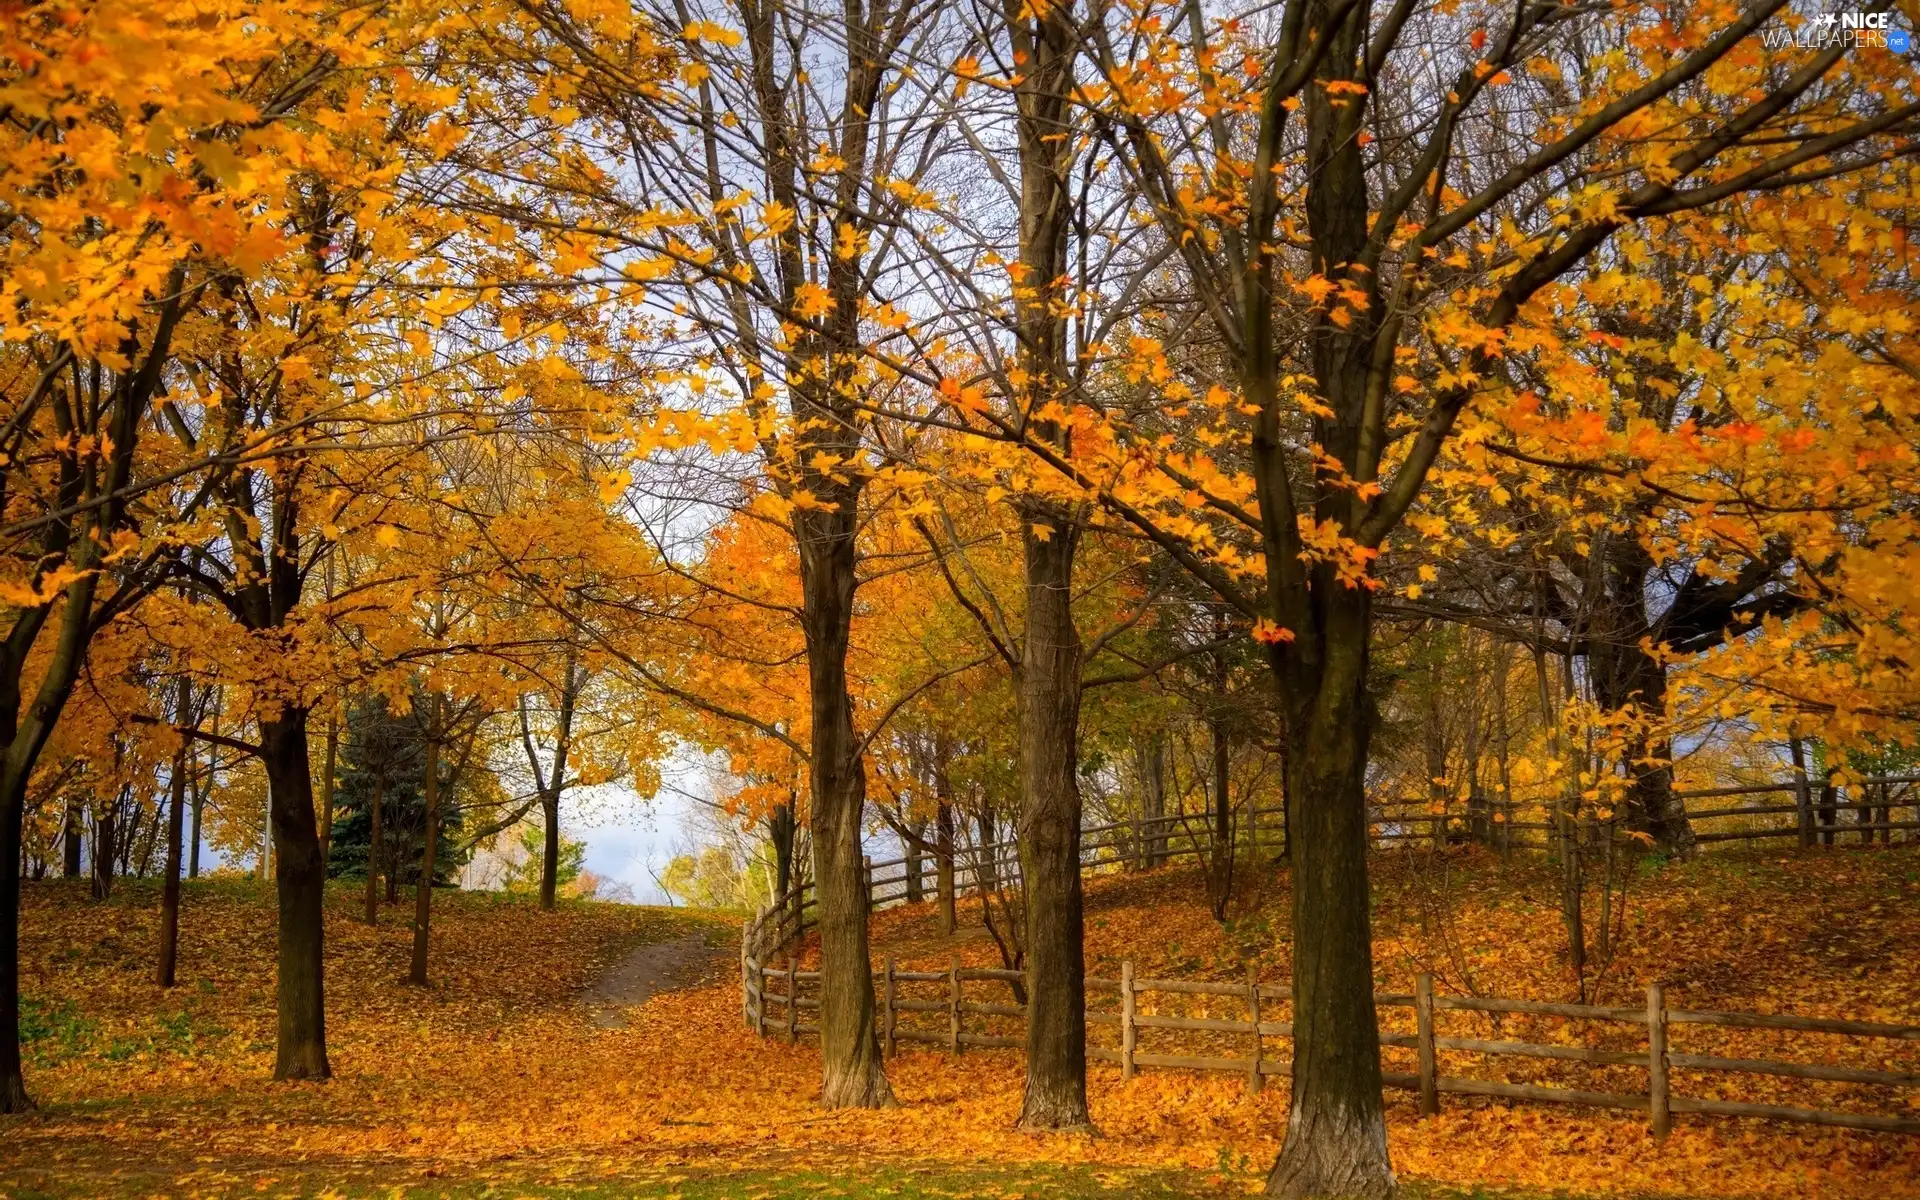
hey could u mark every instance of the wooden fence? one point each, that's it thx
(1817, 814)
(961, 1023)
(1814, 817)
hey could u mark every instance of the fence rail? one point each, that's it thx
(1816, 813)
(1263, 1000)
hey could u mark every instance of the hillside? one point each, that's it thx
(1828, 935)
(499, 1080)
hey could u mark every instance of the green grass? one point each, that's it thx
(52, 1032)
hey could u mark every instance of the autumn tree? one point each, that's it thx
(126, 208)
(1367, 280)
(550, 770)
(776, 290)
(1042, 46)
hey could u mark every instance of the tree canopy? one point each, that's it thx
(957, 422)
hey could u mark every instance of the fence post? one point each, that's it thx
(1829, 808)
(1659, 1115)
(1423, 1035)
(888, 1045)
(793, 1001)
(1253, 1015)
(866, 878)
(1126, 1019)
(953, 1006)
(746, 994)
(1803, 804)
(760, 1009)
(760, 974)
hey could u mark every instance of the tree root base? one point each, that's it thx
(872, 1092)
(303, 1071)
(1076, 1128)
(1334, 1157)
(14, 1098)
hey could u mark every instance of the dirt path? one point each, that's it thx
(657, 967)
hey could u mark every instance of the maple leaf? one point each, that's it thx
(811, 301)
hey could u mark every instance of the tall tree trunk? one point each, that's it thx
(916, 890)
(176, 823)
(13, 797)
(1150, 762)
(1044, 40)
(851, 1073)
(423, 889)
(1049, 842)
(782, 828)
(987, 867)
(1624, 675)
(70, 835)
(943, 835)
(1565, 833)
(830, 464)
(549, 850)
(1438, 793)
(943, 869)
(105, 852)
(13, 800)
(24, 730)
(1336, 1141)
(326, 791)
(555, 781)
(1220, 872)
(373, 848)
(301, 1051)
(1505, 815)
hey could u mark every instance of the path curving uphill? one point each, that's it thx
(645, 972)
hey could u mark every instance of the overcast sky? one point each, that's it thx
(630, 840)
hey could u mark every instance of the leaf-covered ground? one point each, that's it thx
(1832, 934)
(497, 1081)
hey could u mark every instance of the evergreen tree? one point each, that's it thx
(387, 750)
(524, 875)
